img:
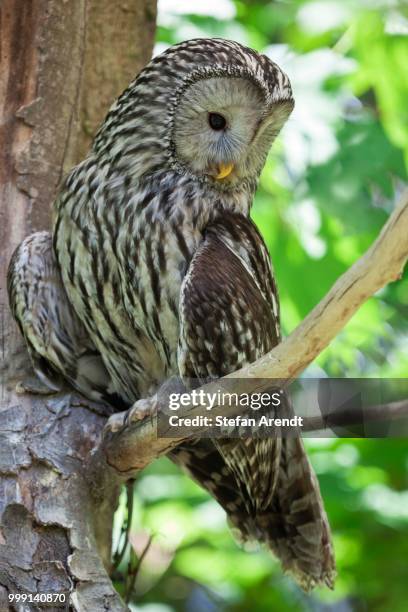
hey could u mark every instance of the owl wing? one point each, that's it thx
(229, 304)
(58, 344)
(229, 317)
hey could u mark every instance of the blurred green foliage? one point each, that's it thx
(328, 186)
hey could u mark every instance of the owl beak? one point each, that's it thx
(224, 170)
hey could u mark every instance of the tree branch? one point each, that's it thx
(128, 448)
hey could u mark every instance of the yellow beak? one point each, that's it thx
(224, 170)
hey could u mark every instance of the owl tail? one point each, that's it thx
(286, 513)
(295, 525)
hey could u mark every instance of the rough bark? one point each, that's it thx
(62, 64)
(119, 38)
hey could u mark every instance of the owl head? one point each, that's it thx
(206, 108)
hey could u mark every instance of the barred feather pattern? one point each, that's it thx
(58, 344)
(156, 271)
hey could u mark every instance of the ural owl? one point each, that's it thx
(154, 269)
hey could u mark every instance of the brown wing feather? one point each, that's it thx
(226, 319)
(229, 317)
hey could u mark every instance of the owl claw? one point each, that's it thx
(140, 410)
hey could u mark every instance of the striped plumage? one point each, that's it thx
(155, 259)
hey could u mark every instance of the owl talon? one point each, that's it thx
(140, 410)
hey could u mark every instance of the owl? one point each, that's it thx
(154, 269)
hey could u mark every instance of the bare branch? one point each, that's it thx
(129, 448)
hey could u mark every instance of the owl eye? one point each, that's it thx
(216, 121)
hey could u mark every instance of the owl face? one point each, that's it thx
(206, 108)
(224, 126)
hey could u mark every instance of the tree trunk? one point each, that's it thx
(63, 63)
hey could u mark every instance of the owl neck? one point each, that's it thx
(180, 195)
